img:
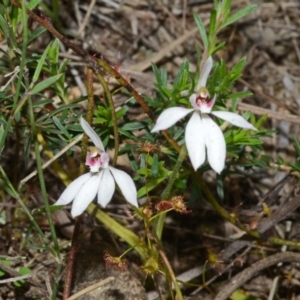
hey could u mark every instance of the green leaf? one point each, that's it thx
(54, 52)
(61, 127)
(22, 271)
(212, 25)
(201, 29)
(155, 165)
(226, 5)
(126, 133)
(127, 235)
(133, 126)
(151, 184)
(240, 14)
(4, 26)
(219, 47)
(33, 4)
(40, 65)
(160, 75)
(44, 84)
(5, 262)
(35, 34)
(6, 3)
(181, 77)
(243, 295)
(239, 95)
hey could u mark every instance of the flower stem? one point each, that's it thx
(90, 107)
(9, 187)
(78, 220)
(168, 266)
(113, 114)
(71, 259)
(167, 192)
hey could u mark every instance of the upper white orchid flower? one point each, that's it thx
(202, 133)
(99, 181)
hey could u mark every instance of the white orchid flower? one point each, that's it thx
(202, 133)
(99, 181)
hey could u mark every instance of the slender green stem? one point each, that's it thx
(15, 194)
(182, 155)
(41, 177)
(90, 108)
(159, 225)
(113, 115)
(168, 266)
(36, 145)
(78, 220)
(55, 282)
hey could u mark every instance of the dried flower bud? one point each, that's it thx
(179, 205)
(116, 262)
(164, 205)
(148, 147)
(151, 266)
(147, 211)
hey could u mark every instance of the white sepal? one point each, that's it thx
(169, 117)
(215, 144)
(126, 185)
(86, 195)
(106, 188)
(195, 141)
(91, 134)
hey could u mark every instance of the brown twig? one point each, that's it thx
(278, 215)
(239, 279)
(72, 257)
(97, 285)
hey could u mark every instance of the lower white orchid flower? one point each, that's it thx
(202, 133)
(99, 181)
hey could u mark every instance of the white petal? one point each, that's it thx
(234, 119)
(169, 117)
(215, 144)
(86, 194)
(106, 188)
(195, 140)
(204, 74)
(72, 189)
(126, 185)
(91, 134)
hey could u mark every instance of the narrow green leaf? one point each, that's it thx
(156, 73)
(212, 25)
(44, 84)
(33, 4)
(201, 29)
(6, 3)
(35, 34)
(4, 26)
(151, 184)
(217, 48)
(54, 52)
(239, 95)
(155, 165)
(61, 127)
(182, 74)
(133, 126)
(240, 14)
(22, 271)
(40, 64)
(127, 235)
(226, 6)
